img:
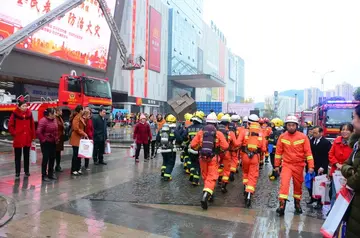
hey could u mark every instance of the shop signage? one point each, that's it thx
(41, 91)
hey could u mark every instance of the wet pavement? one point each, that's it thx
(124, 199)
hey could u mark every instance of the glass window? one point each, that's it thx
(74, 85)
(336, 116)
(97, 88)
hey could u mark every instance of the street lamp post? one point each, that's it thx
(322, 79)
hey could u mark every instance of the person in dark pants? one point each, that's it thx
(60, 143)
(153, 129)
(100, 136)
(47, 132)
(320, 148)
(78, 131)
(22, 129)
(168, 137)
(142, 136)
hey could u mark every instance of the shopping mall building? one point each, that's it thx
(182, 53)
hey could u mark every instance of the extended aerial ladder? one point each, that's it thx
(8, 44)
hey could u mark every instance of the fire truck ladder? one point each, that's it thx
(8, 44)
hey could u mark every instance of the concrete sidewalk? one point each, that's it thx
(114, 143)
(7, 209)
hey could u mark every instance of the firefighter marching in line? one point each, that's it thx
(292, 149)
(191, 131)
(277, 130)
(209, 142)
(267, 131)
(239, 131)
(252, 147)
(264, 133)
(245, 122)
(225, 156)
(184, 156)
(168, 137)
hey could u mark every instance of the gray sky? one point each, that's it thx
(283, 41)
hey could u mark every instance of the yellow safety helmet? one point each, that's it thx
(225, 118)
(188, 116)
(309, 123)
(171, 118)
(220, 115)
(200, 115)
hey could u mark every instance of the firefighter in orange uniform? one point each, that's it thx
(267, 132)
(239, 131)
(253, 146)
(225, 156)
(292, 149)
(209, 142)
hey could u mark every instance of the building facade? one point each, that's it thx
(311, 97)
(286, 105)
(344, 90)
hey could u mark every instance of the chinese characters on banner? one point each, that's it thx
(155, 40)
(242, 109)
(80, 36)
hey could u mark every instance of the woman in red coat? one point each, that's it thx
(142, 136)
(22, 129)
(339, 153)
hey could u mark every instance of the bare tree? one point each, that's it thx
(269, 107)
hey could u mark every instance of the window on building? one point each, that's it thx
(74, 85)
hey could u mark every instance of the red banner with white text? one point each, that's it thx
(81, 36)
(155, 40)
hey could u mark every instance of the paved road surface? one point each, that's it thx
(124, 199)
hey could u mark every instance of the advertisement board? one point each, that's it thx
(36, 91)
(155, 40)
(242, 109)
(81, 36)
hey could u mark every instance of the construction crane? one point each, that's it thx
(8, 44)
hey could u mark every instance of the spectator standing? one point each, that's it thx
(153, 129)
(47, 132)
(60, 142)
(320, 147)
(351, 171)
(78, 132)
(89, 130)
(100, 136)
(339, 153)
(22, 129)
(160, 121)
(142, 136)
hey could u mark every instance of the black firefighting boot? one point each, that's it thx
(245, 191)
(223, 188)
(182, 155)
(232, 176)
(297, 206)
(281, 209)
(204, 200)
(266, 159)
(219, 180)
(248, 200)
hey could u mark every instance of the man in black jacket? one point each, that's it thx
(320, 147)
(100, 136)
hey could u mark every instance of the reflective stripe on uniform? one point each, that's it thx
(252, 146)
(283, 196)
(259, 138)
(171, 134)
(251, 188)
(298, 142)
(189, 162)
(167, 175)
(278, 156)
(208, 190)
(310, 157)
(193, 133)
(245, 181)
(163, 167)
(196, 176)
(233, 169)
(296, 196)
(225, 178)
(193, 151)
(285, 141)
(220, 170)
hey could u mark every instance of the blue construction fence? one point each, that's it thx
(207, 106)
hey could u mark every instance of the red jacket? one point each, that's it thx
(47, 130)
(89, 129)
(142, 133)
(338, 153)
(22, 128)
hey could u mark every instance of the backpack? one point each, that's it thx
(225, 131)
(233, 127)
(165, 140)
(208, 142)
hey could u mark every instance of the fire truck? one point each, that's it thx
(331, 114)
(306, 116)
(73, 90)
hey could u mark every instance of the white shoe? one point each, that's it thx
(79, 172)
(75, 173)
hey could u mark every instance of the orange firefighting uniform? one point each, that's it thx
(266, 132)
(225, 157)
(291, 152)
(187, 123)
(209, 169)
(235, 153)
(250, 166)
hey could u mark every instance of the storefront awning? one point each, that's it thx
(198, 81)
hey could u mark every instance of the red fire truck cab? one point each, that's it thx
(330, 115)
(73, 90)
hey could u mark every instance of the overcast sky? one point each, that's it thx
(283, 41)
